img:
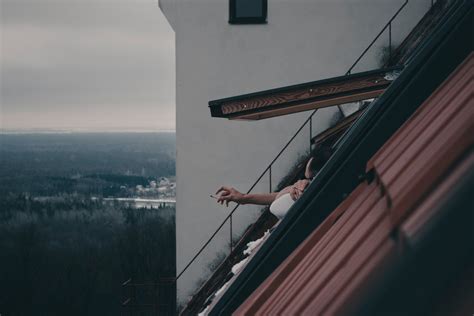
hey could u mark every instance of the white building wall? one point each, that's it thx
(303, 41)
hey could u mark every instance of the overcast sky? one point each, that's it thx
(86, 64)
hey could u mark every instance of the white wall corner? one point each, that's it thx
(169, 7)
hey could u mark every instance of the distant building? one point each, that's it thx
(164, 181)
(162, 189)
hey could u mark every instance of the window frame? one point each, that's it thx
(233, 19)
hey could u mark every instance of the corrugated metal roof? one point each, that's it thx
(333, 264)
(418, 222)
(432, 273)
(405, 166)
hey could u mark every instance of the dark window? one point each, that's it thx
(247, 11)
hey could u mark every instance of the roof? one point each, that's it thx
(414, 170)
(305, 97)
(435, 58)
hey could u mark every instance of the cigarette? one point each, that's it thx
(213, 196)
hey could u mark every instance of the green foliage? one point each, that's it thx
(69, 256)
(383, 55)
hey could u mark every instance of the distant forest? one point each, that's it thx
(66, 253)
(90, 163)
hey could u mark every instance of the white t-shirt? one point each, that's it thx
(280, 206)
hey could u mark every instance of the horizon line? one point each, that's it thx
(80, 130)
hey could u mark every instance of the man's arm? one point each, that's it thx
(232, 195)
(260, 198)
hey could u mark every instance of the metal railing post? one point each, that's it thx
(389, 42)
(389, 23)
(230, 222)
(270, 179)
(130, 286)
(157, 297)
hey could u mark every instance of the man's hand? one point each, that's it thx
(297, 189)
(229, 195)
(301, 184)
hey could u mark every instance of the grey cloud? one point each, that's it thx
(94, 14)
(61, 57)
(52, 88)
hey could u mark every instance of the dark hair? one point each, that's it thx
(320, 154)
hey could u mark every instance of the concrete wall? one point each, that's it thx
(303, 41)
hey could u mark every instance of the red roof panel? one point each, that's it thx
(410, 170)
(362, 256)
(415, 223)
(414, 170)
(419, 120)
(368, 271)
